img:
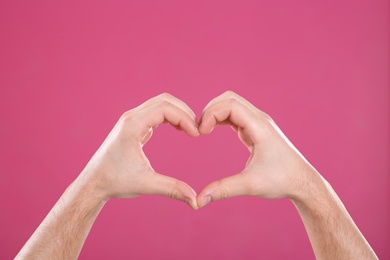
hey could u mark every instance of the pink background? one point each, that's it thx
(69, 69)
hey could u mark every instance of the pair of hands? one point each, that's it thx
(275, 169)
(120, 169)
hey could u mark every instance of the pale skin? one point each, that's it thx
(120, 169)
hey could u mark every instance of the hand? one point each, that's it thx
(275, 168)
(120, 169)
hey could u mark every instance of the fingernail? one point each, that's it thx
(195, 128)
(206, 200)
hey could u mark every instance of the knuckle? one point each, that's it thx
(230, 93)
(165, 96)
(173, 194)
(127, 116)
(265, 130)
(223, 192)
(267, 117)
(232, 101)
(164, 103)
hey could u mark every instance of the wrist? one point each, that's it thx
(313, 189)
(87, 184)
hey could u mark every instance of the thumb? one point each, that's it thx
(235, 185)
(159, 184)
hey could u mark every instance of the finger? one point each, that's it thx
(229, 95)
(166, 112)
(228, 187)
(170, 98)
(229, 111)
(158, 184)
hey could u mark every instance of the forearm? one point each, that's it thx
(331, 230)
(62, 233)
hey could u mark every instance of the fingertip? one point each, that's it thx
(207, 124)
(190, 196)
(192, 203)
(195, 131)
(204, 129)
(191, 129)
(203, 201)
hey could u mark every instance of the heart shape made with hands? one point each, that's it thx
(270, 172)
(267, 173)
(184, 119)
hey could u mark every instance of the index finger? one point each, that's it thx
(169, 98)
(229, 111)
(166, 112)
